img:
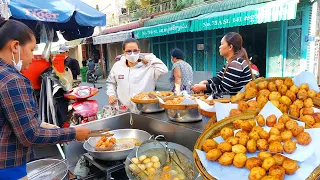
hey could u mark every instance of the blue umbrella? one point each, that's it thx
(74, 18)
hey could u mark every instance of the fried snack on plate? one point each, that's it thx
(304, 138)
(252, 146)
(237, 124)
(316, 125)
(254, 135)
(240, 160)
(308, 103)
(279, 82)
(256, 129)
(285, 100)
(283, 108)
(306, 111)
(251, 92)
(253, 162)
(289, 146)
(227, 158)
(264, 134)
(270, 178)
(252, 122)
(250, 84)
(286, 135)
(257, 173)
(234, 112)
(264, 92)
(274, 131)
(213, 154)
(260, 120)
(233, 140)
(284, 118)
(262, 101)
(238, 97)
(290, 166)
(225, 147)
(274, 96)
(308, 119)
(241, 133)
(294, 111)
(291, 124)
(262, 85)
(272, 86)
(316, 117)
(291, 95)
(288, 82)
(282, 89)
(275, 103)
(209, 144)
(239, 149)
(279, 159)
(304, 86)
(280, 126)
(262, 145)
(302, 94)
(271, 120)
(226, 132)
(264, 155)
(268, 163)
(253, 103)
(294, 89)
(242, 106)
(243, 140)
(277, 171)
(318, 95)
(275, 147)
(246, 126)
(312, 93)
(274, 138)
(297, 130)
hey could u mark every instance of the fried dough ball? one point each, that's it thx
(264, 92)
(272, 86)
(285, 100)
(243, 140)
(241, 133)
(209, 144)
(318, 95)
(270, 178)
(316, 117)
(283, 108)
(257, 173)
(308, 120)
(291, 124)
(294, 111)
(260, 120)
(306, 111)
(239, 149)
(316, 125)
(289, 146)
(213, 154)
(242, 105)
(254, 135)
(251, 92)
(251, 108)
(279, 159)
(274, 96)
(262, 85)
(282, 89)
(268, 163)
(279, 82)
(237, 124)
(288, 82)
(233, 140)
(264, 134)
(226, 132)
(302, 94)
(290, 166)
(275, 147)
(250, 84)
(312, 93)
(274, 138)
(291, 95)
(304, 86)
(286, 135)
(279, 126)
(252, 146)
(275, 103)
(284, 118)
(277, 171)
(256, 129)
(304, 138)
(274, 131)
(238, 97)
(225, 147)
(252, 122)
(239, 160)
(308, 103)
(271, 120)
(234, 112)
(297, 130)
(262, 145)
(246, 126)
(264, 155)
(253, 162)
(227, 158)
(294, 89)
(262, 100)
(253, 103)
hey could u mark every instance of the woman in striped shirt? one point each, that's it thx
(235, 74)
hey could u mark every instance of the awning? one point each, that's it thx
(124, 27)
(75, 42)
(253, 14)
(162, 29)
(110, 38)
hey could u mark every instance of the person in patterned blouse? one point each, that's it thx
(235, 74)
(20, 126)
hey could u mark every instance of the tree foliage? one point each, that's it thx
(132, 5)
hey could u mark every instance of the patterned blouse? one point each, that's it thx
(186, 76)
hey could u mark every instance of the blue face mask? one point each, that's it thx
(18, 65)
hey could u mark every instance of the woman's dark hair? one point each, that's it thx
(236, 41)
(14, 30)
(130, 40)
(177, 53)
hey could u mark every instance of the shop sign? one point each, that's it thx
(110, 38)
(42, 14)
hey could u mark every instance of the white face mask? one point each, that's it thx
(18, 65)
(132, 58)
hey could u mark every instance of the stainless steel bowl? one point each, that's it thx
(118, 134)
(149, 108)
(189, 115)
(43, 169)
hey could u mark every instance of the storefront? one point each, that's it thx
(274, 31)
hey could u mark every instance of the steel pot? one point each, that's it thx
(120, 154)
(188, 115)
(45, 169)
(149, 108)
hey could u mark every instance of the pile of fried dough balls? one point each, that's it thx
(251, 138)
(287, 97)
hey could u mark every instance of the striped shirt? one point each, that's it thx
(19, 122)
(235, 78)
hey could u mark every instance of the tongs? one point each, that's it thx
(101, 132)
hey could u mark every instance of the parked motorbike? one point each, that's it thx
(83, 109)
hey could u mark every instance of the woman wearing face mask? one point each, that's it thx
(235, 74)
(133, 74)
(20, 126)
